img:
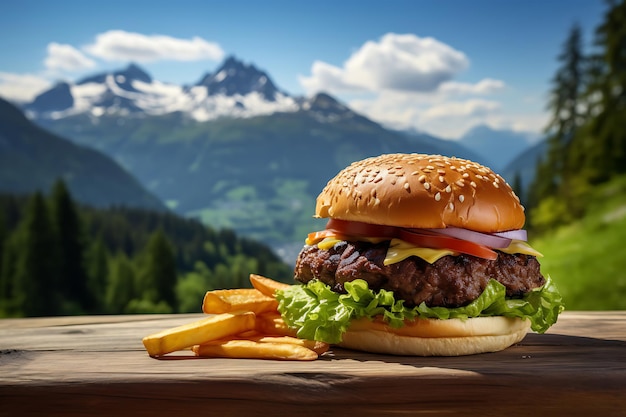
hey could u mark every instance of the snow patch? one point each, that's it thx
(220, 76)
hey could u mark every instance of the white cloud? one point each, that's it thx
(485, 86)
(67, 58)
(21, 87)
(119, 45)
(396, 62)
(455, 109)
(435, 113)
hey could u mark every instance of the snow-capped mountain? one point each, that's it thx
(234, 77)
(234, 89)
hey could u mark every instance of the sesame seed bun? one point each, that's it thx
(432, 337)
(422, 191)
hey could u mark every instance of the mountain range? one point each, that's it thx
(231, 149)
(235, 89)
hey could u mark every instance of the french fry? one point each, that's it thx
(315, 346)
(273, 324)
(266, 285)
(241, 299)
(244, 323)
(249, 349)
(211, 328)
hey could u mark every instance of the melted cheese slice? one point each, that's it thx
(399, 250)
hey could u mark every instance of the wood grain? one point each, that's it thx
(96, 365)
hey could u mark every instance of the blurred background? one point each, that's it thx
(151, 151)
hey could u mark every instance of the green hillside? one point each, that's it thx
(587, 259)
(32, 159)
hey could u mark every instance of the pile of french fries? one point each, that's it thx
(242, 323)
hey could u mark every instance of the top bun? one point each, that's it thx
(422, 191)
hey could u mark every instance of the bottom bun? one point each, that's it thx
(453, 337)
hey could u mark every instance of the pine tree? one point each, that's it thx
(4, 236)
(566, 105)
(36, 269)
(8, 305)
(96, 259)
(70, 239)
(120, 286)
(608, 86)
(518, 186)
(157, 279)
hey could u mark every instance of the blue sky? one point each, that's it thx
(437, 66)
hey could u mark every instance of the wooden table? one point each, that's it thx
(96, 365)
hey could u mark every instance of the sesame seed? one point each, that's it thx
(441, 179)
(495, 184)
(453, 168)
(460, 183)
(406, 185)
(461, 198)
(430, 167)
(465, 175)
(437, 196)
(427, 185)
(473, 184)
(480, 177)
(451, 206)
(448, 189)
(422, 178)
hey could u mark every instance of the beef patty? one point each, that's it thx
(452, 281)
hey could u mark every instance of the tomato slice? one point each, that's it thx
(351, 228)
(320, 235)
(432, 240)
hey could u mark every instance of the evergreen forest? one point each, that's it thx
(61, 258)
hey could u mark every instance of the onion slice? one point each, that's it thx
(485, 239)
(519, 234)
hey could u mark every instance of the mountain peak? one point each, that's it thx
(326, 107)
(134, 72)
(234, 77)
(58, 98)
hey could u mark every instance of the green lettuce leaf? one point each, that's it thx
(324, 315)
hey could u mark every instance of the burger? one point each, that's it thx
(421, 255)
